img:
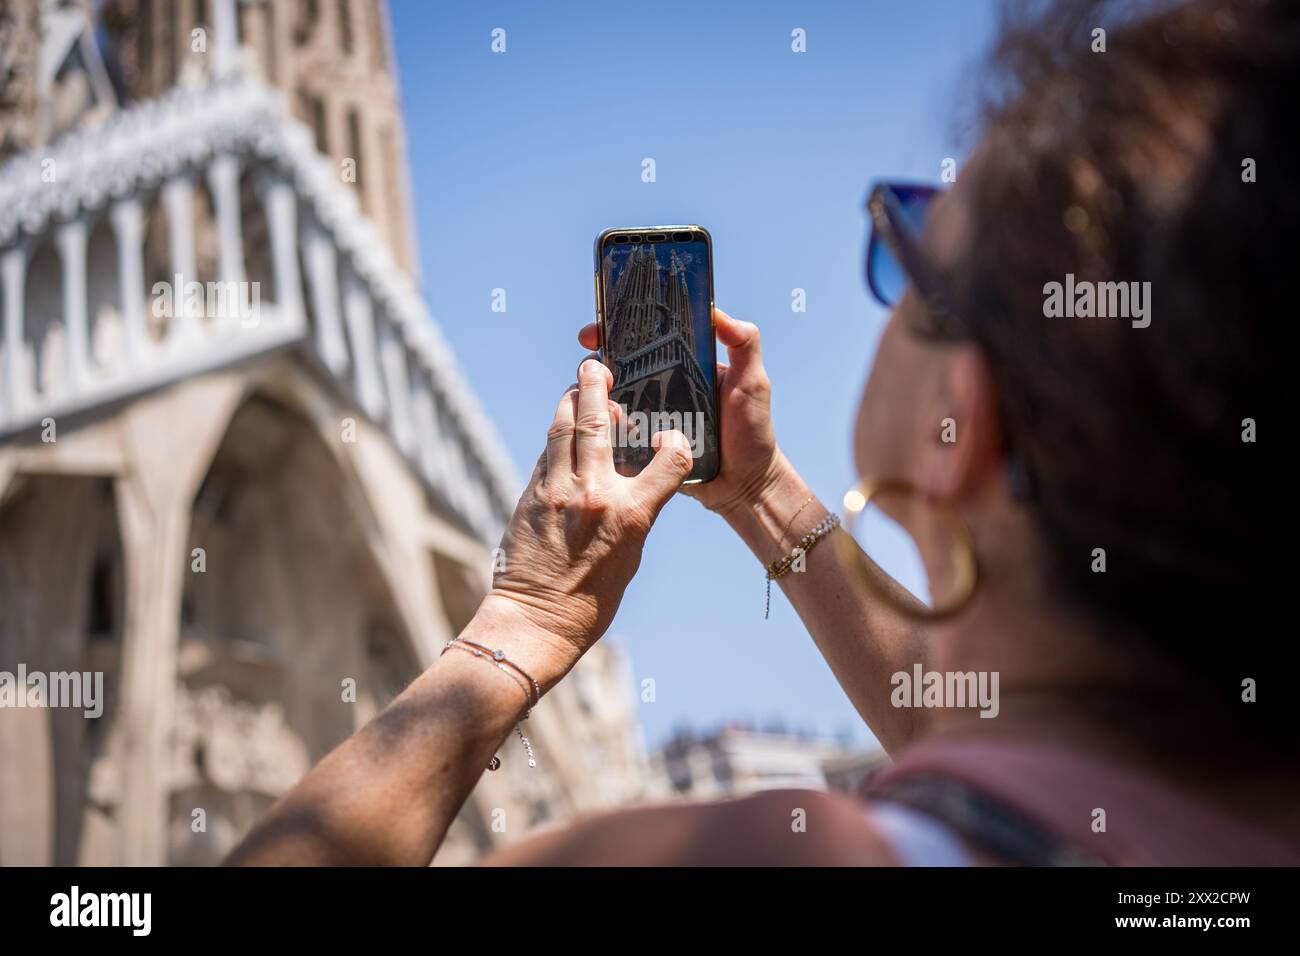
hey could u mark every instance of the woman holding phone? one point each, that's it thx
(1126, 730)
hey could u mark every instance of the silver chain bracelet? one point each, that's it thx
(532, 690)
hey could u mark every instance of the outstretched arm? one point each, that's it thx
(388, 794)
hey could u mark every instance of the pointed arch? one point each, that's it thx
(44, 330)
(60, 806)
(104, 296)
(157, 266)
(290, 635)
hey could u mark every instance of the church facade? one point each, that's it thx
(242, 479)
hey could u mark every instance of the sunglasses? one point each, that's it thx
(895, 259)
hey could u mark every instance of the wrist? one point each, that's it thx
(501, 624)
(771, 518)
(775, 476)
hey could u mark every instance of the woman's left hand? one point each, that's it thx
(575, 539)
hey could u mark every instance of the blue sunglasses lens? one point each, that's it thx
(885, 274)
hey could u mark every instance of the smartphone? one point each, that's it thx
(654, 307)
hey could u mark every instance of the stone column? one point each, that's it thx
(71, 240)
(223, 181)
(480, 514)
(127, 217)
(454, 470)
(322, 274)
(169, 439)
(282, 217)
(153, 543)
(225, 30)
(13, 264)
(178, 200)
(359, 314)
(392, 354)
(424, 410)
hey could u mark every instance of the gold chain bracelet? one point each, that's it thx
(783, 566)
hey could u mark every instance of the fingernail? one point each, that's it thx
(589, 368)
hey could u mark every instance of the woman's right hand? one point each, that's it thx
(751, 463)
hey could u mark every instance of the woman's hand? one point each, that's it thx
(575, 539)
(751, 463)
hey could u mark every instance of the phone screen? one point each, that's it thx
(655, 291)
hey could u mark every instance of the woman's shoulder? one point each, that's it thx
(767, 828)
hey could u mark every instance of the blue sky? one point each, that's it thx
(519, 159)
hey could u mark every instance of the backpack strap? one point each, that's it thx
(982, 821)
(1036, 804)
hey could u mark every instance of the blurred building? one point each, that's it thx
(240, 472)
(736, 761)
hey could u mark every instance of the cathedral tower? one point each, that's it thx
(332, 59)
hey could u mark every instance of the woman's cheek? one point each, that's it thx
(875, 433)
(889, 422)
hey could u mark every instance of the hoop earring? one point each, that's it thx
(855, 502)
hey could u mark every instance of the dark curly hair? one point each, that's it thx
(1134, 164)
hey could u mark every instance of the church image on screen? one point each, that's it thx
(659, 342)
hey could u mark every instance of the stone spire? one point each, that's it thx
(332, 59)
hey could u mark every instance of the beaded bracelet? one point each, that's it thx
(532, 691)
(783, 566)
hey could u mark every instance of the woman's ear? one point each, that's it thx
(967, 449)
